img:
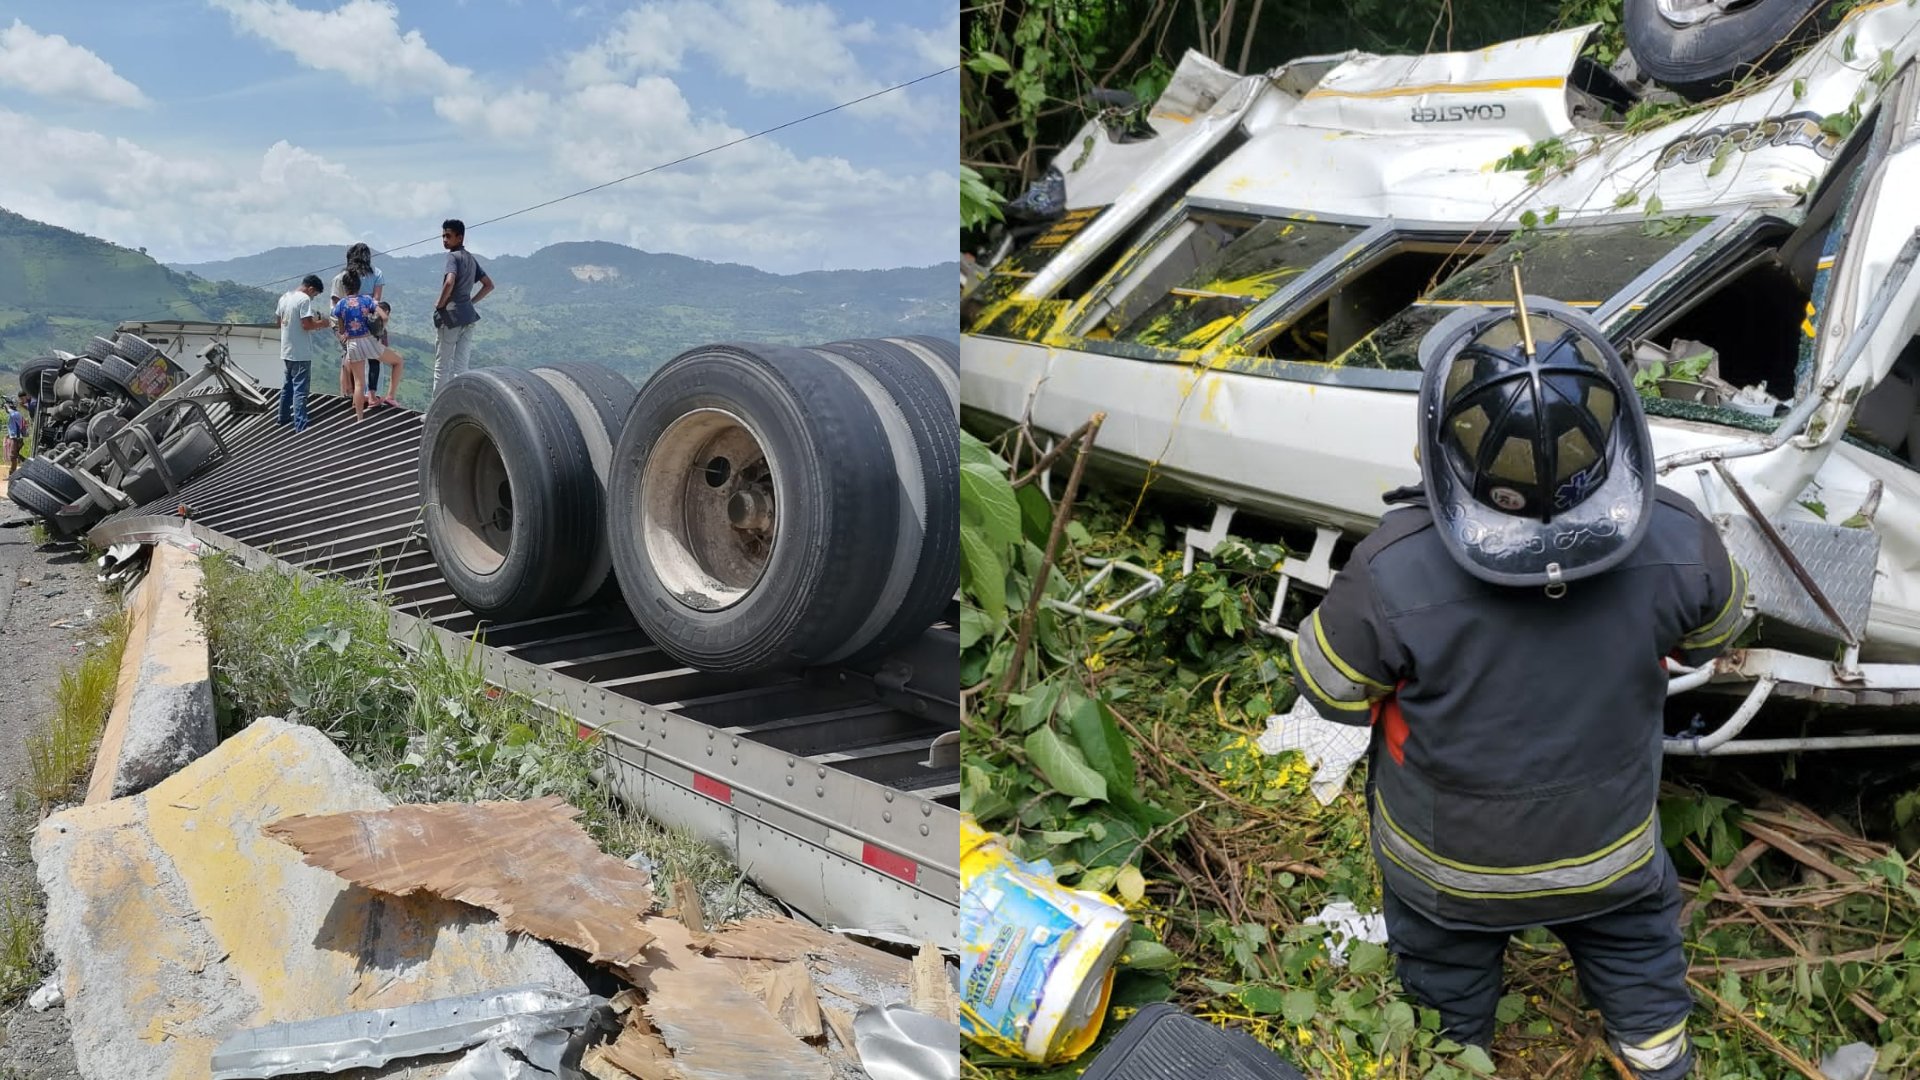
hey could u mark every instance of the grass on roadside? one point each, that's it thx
(60, 756)
(426, 725)
(20, 956)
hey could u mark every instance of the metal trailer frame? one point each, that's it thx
(836, 791)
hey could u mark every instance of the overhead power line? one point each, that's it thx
(635, 175)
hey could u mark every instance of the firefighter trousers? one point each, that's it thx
(1629, 961)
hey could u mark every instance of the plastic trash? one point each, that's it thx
(1036, 958)
(1853, 1061)
(1346, 923)
(47, 996)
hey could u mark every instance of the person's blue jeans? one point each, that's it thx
(293, 393)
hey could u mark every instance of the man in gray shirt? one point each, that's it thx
(453, 313)
(303, 337)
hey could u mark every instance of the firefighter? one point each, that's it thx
(1503, 635)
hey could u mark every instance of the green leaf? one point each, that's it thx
(1476, 1059)
(1299, 1006)
(973, 625)
(1106, 749)
(1036, 514)
(1509, 1008)
(1219, 987)
(1262, 1000)
(982, 575)
(980, 796)
(1529, 219)
(1063, 766)
(1039, 707)
(1653, 206)
(975, 452)
(1626, 199)
(987, 63)
(1131, 884)
(1365, 958)
(1720, 157)
(986, 498)
(1149, 956)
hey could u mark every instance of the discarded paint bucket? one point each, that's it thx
(1036, 958)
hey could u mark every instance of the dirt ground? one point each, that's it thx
(39, 588)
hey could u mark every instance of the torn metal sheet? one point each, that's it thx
(373, 1037)
(529, 862)
(898, 1043)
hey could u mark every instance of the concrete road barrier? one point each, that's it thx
(162, 714)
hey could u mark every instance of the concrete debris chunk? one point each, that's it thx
(529, 862)
(175, 921)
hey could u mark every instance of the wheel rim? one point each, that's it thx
(476, 498)
(708, 513)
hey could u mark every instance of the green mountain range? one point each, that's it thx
(58, 288)
(599, 302)
(630, 309)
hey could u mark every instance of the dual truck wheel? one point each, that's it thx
(757, 506)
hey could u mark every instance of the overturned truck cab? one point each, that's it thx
(1244, 293)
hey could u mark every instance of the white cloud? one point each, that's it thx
(361, 39)
(936, 48)
(195, 208)
(52, 66)
(798, 49)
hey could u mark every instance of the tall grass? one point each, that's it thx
(59, 757)
(425, 725)
(20, 952)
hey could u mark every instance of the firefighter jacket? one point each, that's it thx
(1517, 735)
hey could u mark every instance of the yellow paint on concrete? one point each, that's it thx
(263, 937)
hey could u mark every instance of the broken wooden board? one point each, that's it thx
(932, 988)
(787, 991)
(716, 1028)
(771, 938)
(639, 1052)
(529, 862)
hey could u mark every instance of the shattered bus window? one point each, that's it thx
(1234, 264)
(1581, 267)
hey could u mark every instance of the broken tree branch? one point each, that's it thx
(1061, 514)
(1043, 462)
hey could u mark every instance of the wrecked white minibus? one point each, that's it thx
(1243, 293)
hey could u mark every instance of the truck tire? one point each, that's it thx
(53, 478)
(120, 371)
(99, 348)
(947, 351)
(512, 507)
(134, 349)
(31, 370)
(1705, 59)
(921, 418)
(33, 498)
(599, 399)
(753, 495)
(92, 374)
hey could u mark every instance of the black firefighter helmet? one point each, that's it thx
(1533, 448)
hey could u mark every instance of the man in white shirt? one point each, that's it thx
(303, 336)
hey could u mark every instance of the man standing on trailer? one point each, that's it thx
(1503, 636)
(303, 337)
(453, 313)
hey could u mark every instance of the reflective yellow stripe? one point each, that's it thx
(1544, 82)
(1306, 676)
(1345, 668)
(1806, 327)
(1558, 864)
(1663, 1036)
(1823, 264)
(1533, 894)
(1736, 593)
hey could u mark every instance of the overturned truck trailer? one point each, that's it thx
(1241, 284)
(739, 578)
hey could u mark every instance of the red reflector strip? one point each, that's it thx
(712, 789)
(583, 731)
(890, 864)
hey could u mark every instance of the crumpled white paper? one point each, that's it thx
(1332, 748)
(1345, 923)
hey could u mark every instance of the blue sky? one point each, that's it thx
(208, 129)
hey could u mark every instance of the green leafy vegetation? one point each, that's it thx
(1126, 756)
(22, 958)
(425, 725)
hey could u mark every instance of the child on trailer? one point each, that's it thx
(389, 356)
(353, 321)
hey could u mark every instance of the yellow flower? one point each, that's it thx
(1096, 662)
(1305, 1036)
(1759, 1012)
